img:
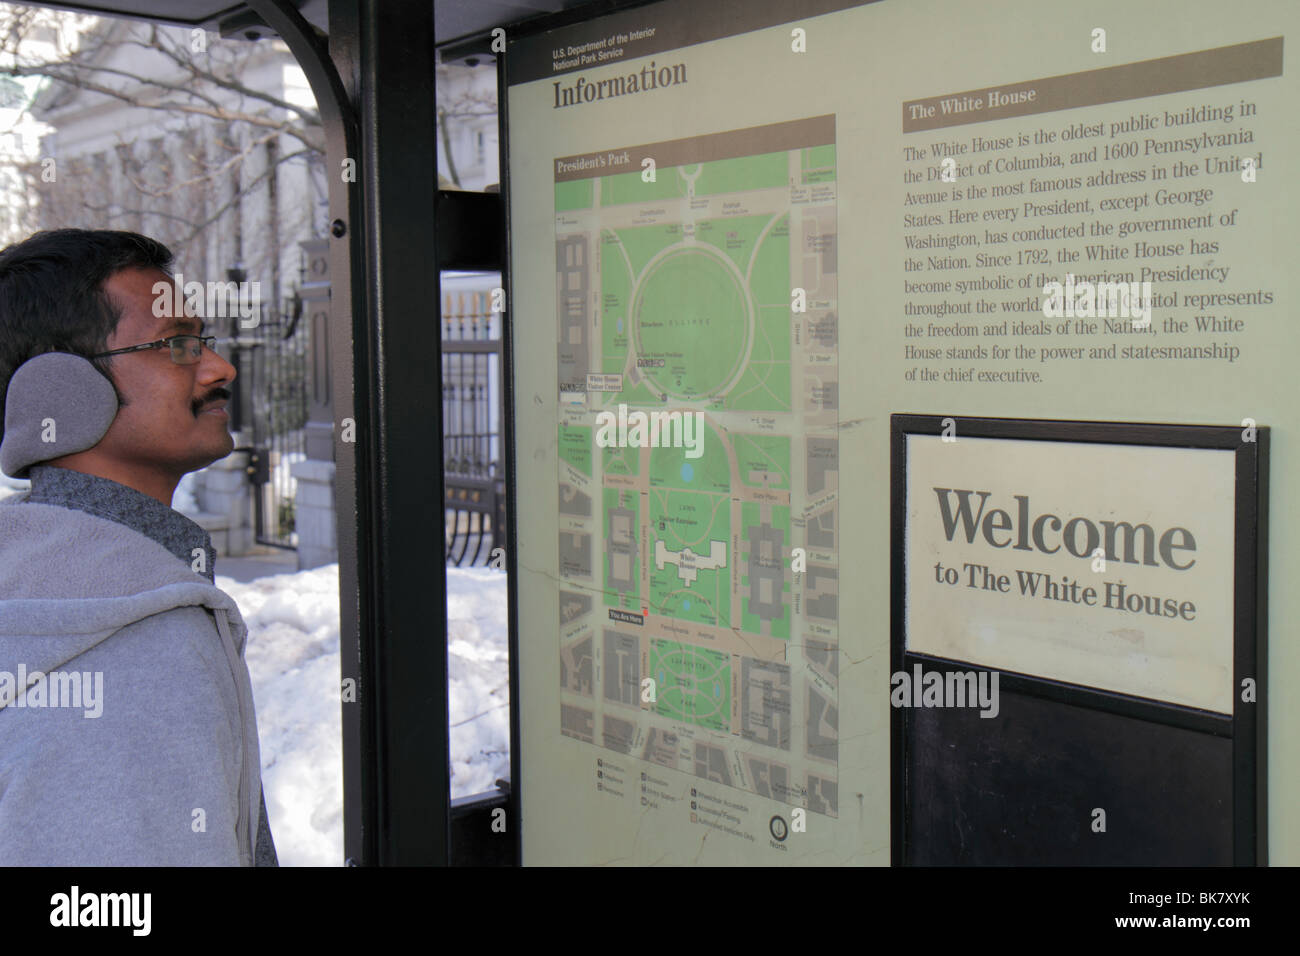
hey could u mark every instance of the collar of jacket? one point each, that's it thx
(94, 495)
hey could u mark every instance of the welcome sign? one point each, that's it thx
(1107, 582)
(1105, 565)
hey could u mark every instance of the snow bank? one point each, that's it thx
(13, 486)
(293, 657)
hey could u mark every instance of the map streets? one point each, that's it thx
(702, 298)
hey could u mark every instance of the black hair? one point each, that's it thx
(52, 294)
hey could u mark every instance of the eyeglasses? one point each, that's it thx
(185, 349)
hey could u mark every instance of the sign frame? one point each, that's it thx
(1245, 730)
(514, 69)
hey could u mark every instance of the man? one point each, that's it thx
(127, 729)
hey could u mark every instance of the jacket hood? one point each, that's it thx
(69, 580)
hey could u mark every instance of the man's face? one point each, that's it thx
(166, 422)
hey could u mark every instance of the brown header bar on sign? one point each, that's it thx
(1171, 74)
(796, 134)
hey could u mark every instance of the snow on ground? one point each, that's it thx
(479, 673)
(184, 499)
(293, 657)
(12, 486)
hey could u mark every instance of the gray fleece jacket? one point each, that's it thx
(152, 756)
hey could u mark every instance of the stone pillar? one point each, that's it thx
(225, 506)
(314, 517)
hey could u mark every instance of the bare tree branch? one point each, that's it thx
(309, 116)
(170, 106)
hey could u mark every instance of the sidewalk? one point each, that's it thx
(259, 564)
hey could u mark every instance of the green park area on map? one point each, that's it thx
(693, 684)
(763, 460)
(621, 461)
(715, 312)
(690, 507)
(708, 313)
(575, 446)
(575, 194)
(818, 164)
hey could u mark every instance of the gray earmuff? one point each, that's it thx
(57, 404)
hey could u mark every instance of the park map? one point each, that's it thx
(699, 585)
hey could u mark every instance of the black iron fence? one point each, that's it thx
(273, 359)
(278, 350)
(473, 454)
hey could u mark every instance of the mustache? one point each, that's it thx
(216, 395)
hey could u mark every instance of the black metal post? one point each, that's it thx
(240, 398)
(401, 536)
